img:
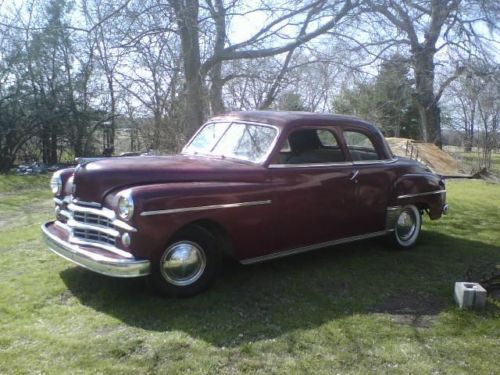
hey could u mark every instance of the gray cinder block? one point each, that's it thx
(470, 295)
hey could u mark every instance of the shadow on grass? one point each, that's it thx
(267, 300)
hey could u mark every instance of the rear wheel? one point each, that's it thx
(407, 227)
(188, 265)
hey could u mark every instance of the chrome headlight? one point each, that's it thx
(125, 205)
(56, 183)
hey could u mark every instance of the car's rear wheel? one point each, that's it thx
(407, 227)
(188, 264)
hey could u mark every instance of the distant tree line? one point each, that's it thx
(75, 76)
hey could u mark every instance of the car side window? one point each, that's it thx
(360, 146)
(327, 138)
(311, 146)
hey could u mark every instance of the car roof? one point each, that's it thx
(290, 119)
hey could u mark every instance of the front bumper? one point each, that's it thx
(94, 259)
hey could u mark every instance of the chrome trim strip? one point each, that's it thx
(309, 165)
(382, 161)
(67, 199)
(123, 225)
(106, 212)
(312, 247)
(100, 245)
(391, 217)
(339, 163)
(85, 203)
(81, 241)
(422, 194)
(66, 214)
(95, 262)
(63, 226)
(98, 228)
(204, 208)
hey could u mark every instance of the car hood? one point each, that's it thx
(93, 181)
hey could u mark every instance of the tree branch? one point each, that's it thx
(447, 82)
(230, 54)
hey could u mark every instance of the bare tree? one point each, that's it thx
(309, 18)
(425, 28)
(464, 96)
(488, 107)
(103, 31)
(73, 72)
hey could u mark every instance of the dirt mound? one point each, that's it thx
(427, 153)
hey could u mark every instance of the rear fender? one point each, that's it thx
(425, 190)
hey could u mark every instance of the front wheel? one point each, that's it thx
(407, 227)
(188, 265)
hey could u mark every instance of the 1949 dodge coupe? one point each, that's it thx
(250, 185)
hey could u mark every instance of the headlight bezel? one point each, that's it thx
(56, 184)
(125, 206)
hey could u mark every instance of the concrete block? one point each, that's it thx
(470, 295)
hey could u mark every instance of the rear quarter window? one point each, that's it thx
(360, 146)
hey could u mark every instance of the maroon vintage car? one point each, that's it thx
(250, 185)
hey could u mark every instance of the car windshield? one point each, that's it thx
(235, 140)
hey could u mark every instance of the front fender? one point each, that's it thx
(162, 209)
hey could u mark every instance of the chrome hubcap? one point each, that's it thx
(183, 263)
(406, 225)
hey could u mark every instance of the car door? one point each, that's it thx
(372, 181)
(314, 190)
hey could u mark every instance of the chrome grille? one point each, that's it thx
(92, 219)
(94, 235)
(92, 225)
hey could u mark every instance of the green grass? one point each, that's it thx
(357, 308)
(13, 184)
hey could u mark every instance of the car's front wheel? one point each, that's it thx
(407, 227)
(188, 265)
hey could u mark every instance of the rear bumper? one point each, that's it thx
(94, 259)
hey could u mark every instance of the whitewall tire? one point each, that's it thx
(407, 227)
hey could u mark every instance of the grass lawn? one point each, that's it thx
(357, 308)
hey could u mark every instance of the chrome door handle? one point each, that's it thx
(354, 175)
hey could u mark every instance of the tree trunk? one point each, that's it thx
(215, 95)
(156, 130)
(430, 117)
(112, 125)
(78, 147)
(7, 157)
(187, 19)
(109, 128)
(430, 114)
(6, 163)
(45, 143)
(469, 131)
(54, 128)
(468, 142)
